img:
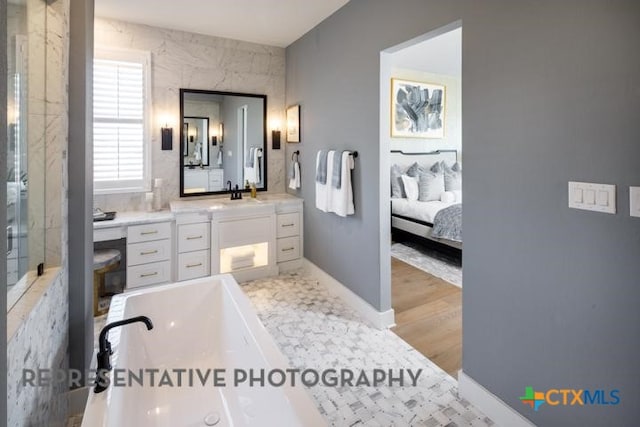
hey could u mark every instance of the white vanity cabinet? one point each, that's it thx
(196, 180)
(289, 236)
(194, 244)
(148, 254)
(243, 241)
(216, 179)
(248, 238)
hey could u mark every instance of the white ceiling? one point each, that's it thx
(270, 22)
(439, 55)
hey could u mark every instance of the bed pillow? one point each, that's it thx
(457, 167)
(397, 189)
(448, 197)
(410, 187)
(431, 186)
(458, 195)
(413, 170)
(452, 180)
(438, 167)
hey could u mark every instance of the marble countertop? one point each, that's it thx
(134, 218)
(211, 204)
(216, 204)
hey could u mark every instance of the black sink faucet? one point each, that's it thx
(229, 186)
(104, 353)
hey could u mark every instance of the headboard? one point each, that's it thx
(425, 159)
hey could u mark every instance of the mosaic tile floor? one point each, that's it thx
(315, 329)
(429, 260)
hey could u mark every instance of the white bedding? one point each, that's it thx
(423, 211)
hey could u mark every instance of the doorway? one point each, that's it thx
(420, 85)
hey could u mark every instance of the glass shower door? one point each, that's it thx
(17, 183)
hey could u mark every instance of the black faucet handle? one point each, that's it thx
(104, 360)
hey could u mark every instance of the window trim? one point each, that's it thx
(143, 57)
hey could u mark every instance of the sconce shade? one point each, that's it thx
(275, 139)
(167, 138)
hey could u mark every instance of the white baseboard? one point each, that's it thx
(492, 406)
(380, 320)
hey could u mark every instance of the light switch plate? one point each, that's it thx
(593, 197)
(634, 201)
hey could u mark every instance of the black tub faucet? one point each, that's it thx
(105, 352)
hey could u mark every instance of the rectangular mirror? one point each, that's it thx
(222, 140)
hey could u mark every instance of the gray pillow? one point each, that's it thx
(413, 170)
(452, 180)
(438, 167)
(397, 189)
(430, 186)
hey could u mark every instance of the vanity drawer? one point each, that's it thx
(145, 252)
(288, 225)
(148, 274)
(148, 232)
(193, 265)
(287, 249)
(193, 237)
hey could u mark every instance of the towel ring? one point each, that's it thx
(295, 153)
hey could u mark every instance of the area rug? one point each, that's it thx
(429, 261)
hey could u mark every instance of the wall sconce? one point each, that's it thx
(213, 131)
(167, 137)
(221, 133)
(275, 134)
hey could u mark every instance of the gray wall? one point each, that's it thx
(81, 185)
(550, 94)
(3, 212)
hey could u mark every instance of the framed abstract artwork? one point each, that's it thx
(417, 109)
(293, 123)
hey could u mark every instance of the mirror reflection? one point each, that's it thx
(223, 139)
(196, 149)
(24, 176)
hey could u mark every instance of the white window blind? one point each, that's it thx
(120, 123)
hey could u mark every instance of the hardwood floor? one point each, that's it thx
(428, 314)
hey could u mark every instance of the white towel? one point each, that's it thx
(341, 200)
(220, 157)
(12, 193)
(252, 174)
(322, 190)
(294, 182)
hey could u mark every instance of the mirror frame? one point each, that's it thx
(184, 91)
(186, 139)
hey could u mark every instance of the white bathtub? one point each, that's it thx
(204, 323)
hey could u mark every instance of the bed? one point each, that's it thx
(431, 219)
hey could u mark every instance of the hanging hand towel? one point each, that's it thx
(220, 157)
(294, 181)
(341, 199)
(324, 168)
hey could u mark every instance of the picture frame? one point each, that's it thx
(417, 109)
(293, 123)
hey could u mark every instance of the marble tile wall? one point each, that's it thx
(186, 60)
(38, 340)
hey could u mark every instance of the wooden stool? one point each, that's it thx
(104, 260)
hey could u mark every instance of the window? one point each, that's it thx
(121, 100)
